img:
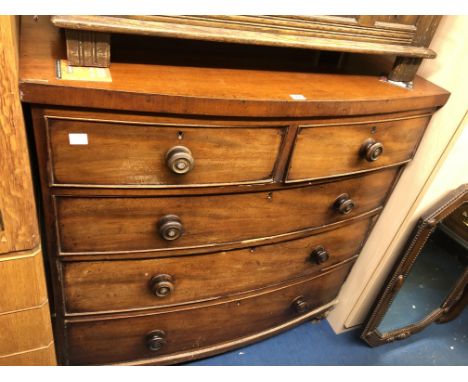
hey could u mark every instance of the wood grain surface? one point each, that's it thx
(118, 339)
(25, 330)
(25, 323)
(208, 84)
(244, 256)
(126, 154)
(322, 151)
(120, 285)
(23, 281)
(43, 356)
(18, 223)
(97, 225)
(359, 35)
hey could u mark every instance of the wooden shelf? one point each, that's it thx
(220, 28)
(406, 37)
(169, 75)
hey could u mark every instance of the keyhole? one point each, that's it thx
(180, 135)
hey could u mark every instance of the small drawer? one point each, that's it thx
(137, 154)
(202, 328)
(100, 286)
(100, 225)
(350, 147)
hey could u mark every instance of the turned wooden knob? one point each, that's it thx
(371, 150)
(179, 159)
(300, 305)
(319, 255)
(170, 227)
(344, 204)
(155, 340)
(162, 285)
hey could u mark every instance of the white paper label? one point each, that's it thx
(78, 139)
(297, 97)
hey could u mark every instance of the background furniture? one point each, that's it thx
(406, 37)
(175, 194)
(26, 333)
(428, 282)
(438, 167)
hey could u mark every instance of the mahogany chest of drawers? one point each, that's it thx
(192, 210)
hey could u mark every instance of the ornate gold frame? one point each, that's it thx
(454, 301)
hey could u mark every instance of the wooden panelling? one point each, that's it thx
(118, 153)
(323, 151)
(18, 228)
(99, 225)
(122, 339)
(22, 281)
(25, 330)
(44, 356)
(25, 324)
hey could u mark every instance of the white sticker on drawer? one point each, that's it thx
(297, 97)
(78, 139)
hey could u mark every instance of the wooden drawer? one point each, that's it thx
(123, 338)
(126, 153)
(96, 225)
(119, 285)
(339, 148)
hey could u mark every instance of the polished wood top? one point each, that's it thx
(167, 76)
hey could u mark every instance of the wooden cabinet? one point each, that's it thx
(407, 37)
(183, 221)
(25, 324)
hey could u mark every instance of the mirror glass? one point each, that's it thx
(441, 263)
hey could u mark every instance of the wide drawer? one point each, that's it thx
(348, 147)
(126, 338)
(98, 286)
(125, 153)
(116, 224)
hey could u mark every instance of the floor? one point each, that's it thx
(317, 344)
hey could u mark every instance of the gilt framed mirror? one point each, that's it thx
(429, 282)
